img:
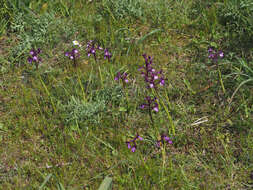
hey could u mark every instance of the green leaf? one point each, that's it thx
(187, 83)
(122, 109)
(213, 44)
(147, 35)
(106, 184)
(60, 186)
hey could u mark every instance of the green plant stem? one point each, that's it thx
(163, 163)
(48, 93)
(150, 115)
(101, 77)
(80, 83)
(221, 81)
(172, 126)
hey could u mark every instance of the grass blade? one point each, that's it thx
(244, 82)
(60, 186)
(45, 181)
(147, 35)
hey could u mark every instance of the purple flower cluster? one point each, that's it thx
(91, 49)
(122, 76)
(107, 54)
(215, 55)
(133, 146)
(132, 143)
(34, 57)
(73, 55)
(151, 76)
(151, 104)
(164, 139)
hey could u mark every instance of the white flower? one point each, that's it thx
(76, 43)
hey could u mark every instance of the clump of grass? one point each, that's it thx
(234, 16)
(80, 112)
(242, 72)
(31, 30)
(125, 9)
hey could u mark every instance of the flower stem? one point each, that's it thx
(150, 114)
(221, 82)
(74, 62)
(101, 77)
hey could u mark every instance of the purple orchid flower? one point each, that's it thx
(163, 139)
(122, 76)
(91, 49)
(152, 77)
(132, 143)
(151, 104)
(34, 57)
(214, 55)
(73, 55)
(107, 54)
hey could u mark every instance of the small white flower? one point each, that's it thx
(76, 43)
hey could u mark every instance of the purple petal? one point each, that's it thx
(75, 51)
(156, 109)
(30, 60)
(35, 58)
(133, 149)
(210, 50)
(140, 68)
(221, 54)
(151, 85)
(32, 52)
(162, 82)
(166, 138)
(148, 98)
(158, 144)
(142, 106)
(93, 51)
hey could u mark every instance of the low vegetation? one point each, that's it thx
(126, 94)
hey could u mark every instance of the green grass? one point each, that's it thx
(66, 127)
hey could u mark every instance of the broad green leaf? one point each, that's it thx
(106, 184)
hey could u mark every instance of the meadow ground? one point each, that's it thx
(99, 111)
